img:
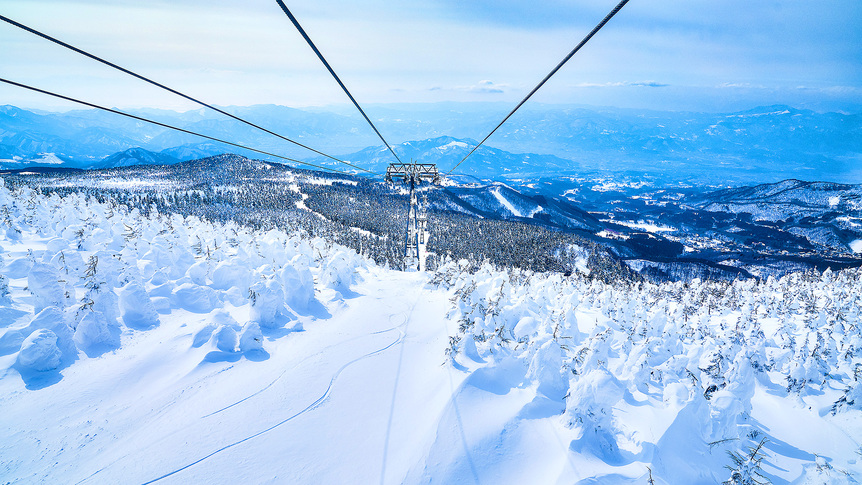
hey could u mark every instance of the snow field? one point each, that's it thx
(166, 349)
(675, 376)
(169, 349)
(105, 272)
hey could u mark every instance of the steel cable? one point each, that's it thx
(554, 71)
(166, 88)
(164, 125)
(331, 71)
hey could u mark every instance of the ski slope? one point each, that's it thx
(163, 349)
(350, 374)
(334, 403)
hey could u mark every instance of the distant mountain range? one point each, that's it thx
(662, 233)
(764, 144)
(446, 152)
(137, 156)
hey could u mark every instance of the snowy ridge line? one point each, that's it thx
(320, 400)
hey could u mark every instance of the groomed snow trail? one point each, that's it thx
(335, 403)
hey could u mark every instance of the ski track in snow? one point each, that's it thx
(395, 386)
(328, 347)
(318, 402)
(505, 202)
(313, 405)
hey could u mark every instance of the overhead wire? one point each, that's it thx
(331, 71)
(166, 88)
(542, 83)
(165, 125)
(295, 22)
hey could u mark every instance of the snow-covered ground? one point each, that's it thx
(666, 380)
(171, 350)
(644, 226)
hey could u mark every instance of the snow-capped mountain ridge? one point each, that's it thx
(741, 148)
(447, 151)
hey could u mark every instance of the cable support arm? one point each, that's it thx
(542, 83)
(164, 125)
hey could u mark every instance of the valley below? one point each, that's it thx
(662, 233)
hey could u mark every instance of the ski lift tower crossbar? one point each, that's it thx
(416, 238)
(405, 172)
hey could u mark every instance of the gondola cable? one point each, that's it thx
(331, 71)
(166, 88)
(164, 125)
(554, 71)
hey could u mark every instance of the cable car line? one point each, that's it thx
(154, 83)
(554, 71)
(331, 71)
(164, 125)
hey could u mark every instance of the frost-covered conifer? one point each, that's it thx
(746, 468)
(852, 396)
(4, 290)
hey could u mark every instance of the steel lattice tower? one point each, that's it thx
(416, 236)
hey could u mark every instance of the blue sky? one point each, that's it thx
(672, 54)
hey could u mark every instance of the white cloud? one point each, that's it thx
(486, 87)
(740, 86)
(481, 87)
(644, 84)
